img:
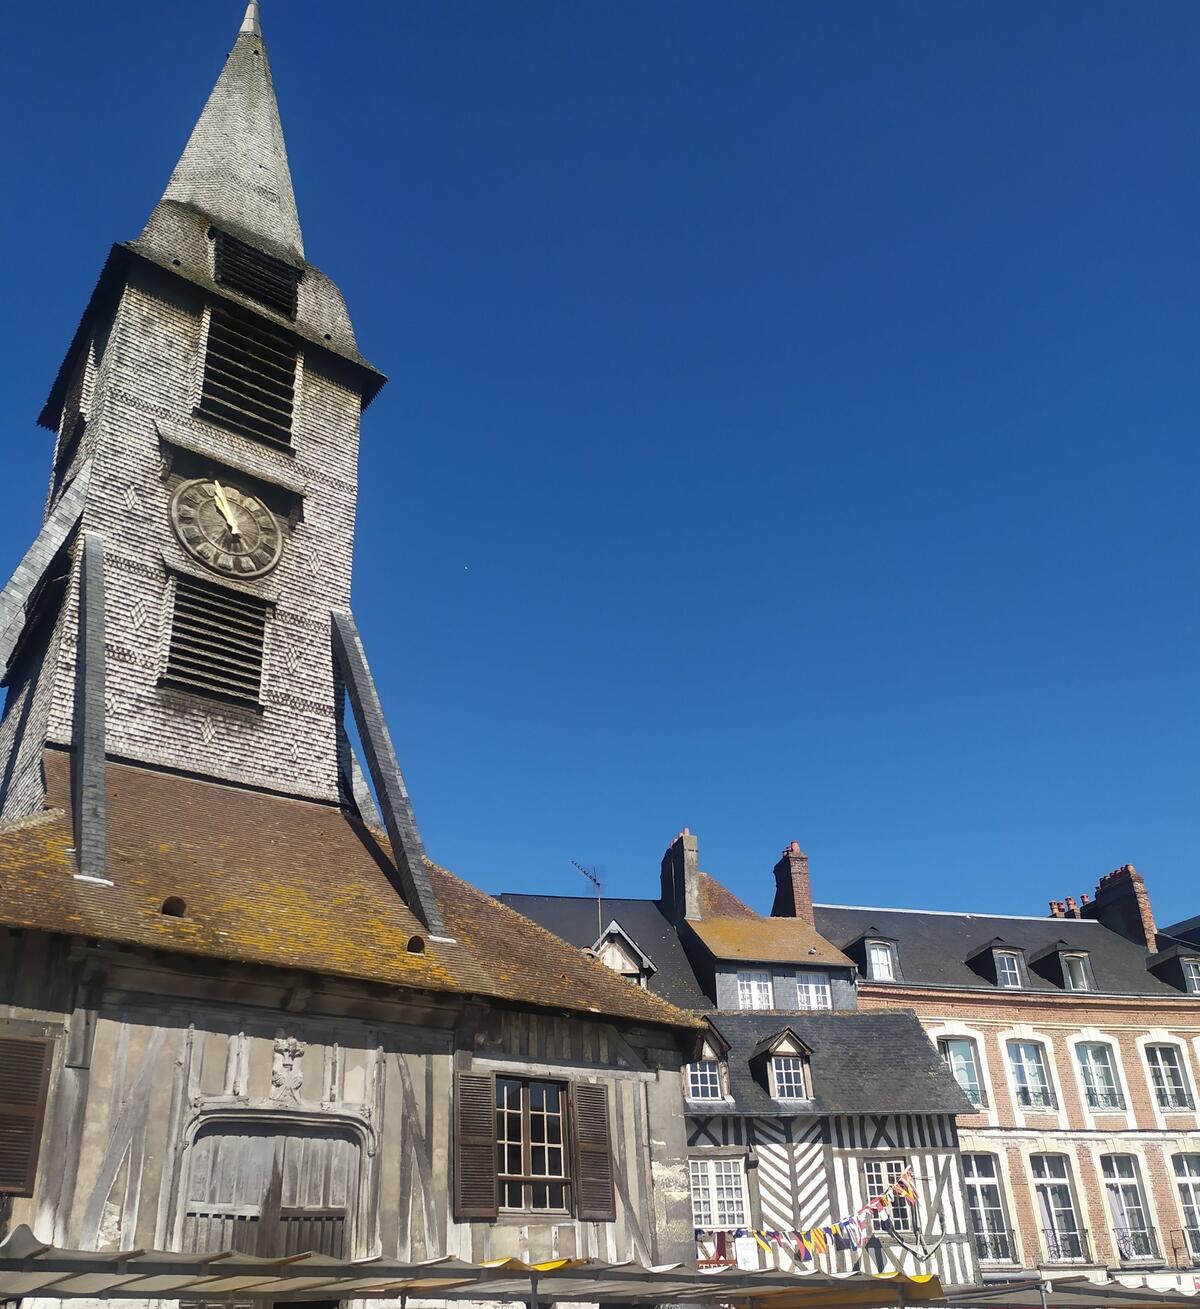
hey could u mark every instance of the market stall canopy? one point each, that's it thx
(1069, 1293)
(30, 1267)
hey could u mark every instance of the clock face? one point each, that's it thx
(228, 530)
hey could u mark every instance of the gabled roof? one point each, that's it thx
(934, 947)
(860, 1063)
(615, 929)
(573, 918)
(290, 884)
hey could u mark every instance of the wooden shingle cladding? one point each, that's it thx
(24, 1081)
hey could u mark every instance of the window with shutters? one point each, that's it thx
(217, 639)
(249, 375)
(255, 274)
(24, 1080)
(528, 1145)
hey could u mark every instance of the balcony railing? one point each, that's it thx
(1173, 1097)
(1064, 1247)
(994, 1247)
(1035, 1097)
(975, 1095)
(1136, 1244)
(1104, 1097)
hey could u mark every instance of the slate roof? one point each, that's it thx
(934, 947)
(573, 918)
(285, 883)
(861, 1063)
(1187, 929)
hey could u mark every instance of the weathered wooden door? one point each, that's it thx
(271, 1189)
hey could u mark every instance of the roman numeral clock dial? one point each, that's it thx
(227, 530)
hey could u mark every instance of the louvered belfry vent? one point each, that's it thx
(270, 281)
(249, 375)
(216, 641)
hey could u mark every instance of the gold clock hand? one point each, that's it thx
(226, 512)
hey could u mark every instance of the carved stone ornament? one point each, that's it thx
(287, 1076)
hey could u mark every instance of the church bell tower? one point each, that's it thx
(186, 604)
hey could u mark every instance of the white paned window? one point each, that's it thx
(755, 991)
(1008, 971)
(1056, 1209)
(1187, 1178)
(959, 1054)
(1099, 1071)
(1030, 1076)
(1075, 972)
(718, 1193)
(986, 1206)
(1127, 1208)
(879, 955)
(880, 1174)
(704, 1080)
(1191, 974)
(787, 1071)
(1166, 1073)
(813, 990)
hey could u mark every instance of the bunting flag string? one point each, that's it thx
(849, 1233)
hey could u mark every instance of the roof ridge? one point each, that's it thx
(954, 913)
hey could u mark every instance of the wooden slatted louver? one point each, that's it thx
(249, 375)
(24, 1080)
(216, 641)
(475, 1147)
(595, 1200)
(258, 275)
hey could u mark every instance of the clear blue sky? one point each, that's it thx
(793, 419)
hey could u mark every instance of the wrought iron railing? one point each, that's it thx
(1066, 1247)
(1135, 1243)
(994, 1247)
(1035, 1097)
(975, 1095)
(1105, 1097)
(1173, 1097)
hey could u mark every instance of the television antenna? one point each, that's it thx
(590, 874)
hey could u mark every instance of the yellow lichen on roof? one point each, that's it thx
(767, 941)
(286, 883)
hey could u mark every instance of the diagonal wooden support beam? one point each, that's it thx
(30, 571)
(88, 796)
(407, 847)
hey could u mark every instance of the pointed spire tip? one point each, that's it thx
(252, 23)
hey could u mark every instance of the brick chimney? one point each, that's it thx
(793, 889)
(680, 878)
(1122, 904)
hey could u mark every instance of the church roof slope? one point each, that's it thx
(284, 883)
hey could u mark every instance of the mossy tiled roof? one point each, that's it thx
(285, 883)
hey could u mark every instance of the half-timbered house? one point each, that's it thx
(801, 1110)
(239, 1006)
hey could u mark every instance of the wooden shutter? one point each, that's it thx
(475, 1188)
(24, 1078)
(594, 1198)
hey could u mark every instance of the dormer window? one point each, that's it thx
(755, 991)
(787, 1077)
(617, 950)
(704, 1080)
(1076, 972)
(1008, 970)
(881, 961)
(1191, 975)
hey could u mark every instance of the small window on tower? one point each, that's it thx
(261, 277)
(249, 376)
(216, 641)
